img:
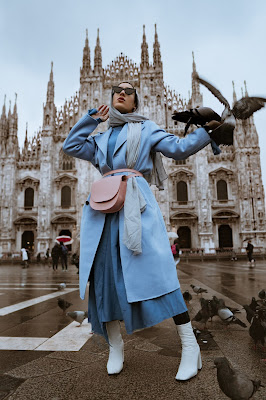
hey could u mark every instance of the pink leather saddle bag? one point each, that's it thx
(108, 194)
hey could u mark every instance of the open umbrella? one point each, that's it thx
(64, 239)
(172, 235)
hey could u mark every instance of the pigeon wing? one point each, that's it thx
(213, 90)
(246, 106)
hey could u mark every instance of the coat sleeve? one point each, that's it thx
(173, 147)
(78, 143)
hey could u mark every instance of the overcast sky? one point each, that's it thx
(227, 37)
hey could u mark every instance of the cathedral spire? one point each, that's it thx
(50, 87)
(49, 110)
(26, 136)
(86, 62)
(246, 90)
(98, 56)
(157, 63)
(194, 69)
(144, 52)
(234, 93)
(9, 111)
(196, 96)
(15, 115)
(3, 116)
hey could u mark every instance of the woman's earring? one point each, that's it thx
(134, 109)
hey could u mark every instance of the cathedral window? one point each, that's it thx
(180, 162)
(222, 193)
(65, 197)
(158, 100)
(29, 198)
(181, 190)
(66, 163)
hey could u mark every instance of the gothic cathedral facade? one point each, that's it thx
(212, 202)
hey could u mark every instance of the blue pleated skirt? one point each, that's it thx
(107, 294)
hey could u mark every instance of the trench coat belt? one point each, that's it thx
(134, 172)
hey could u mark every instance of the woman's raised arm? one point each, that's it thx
(78, 143)
(179, 149)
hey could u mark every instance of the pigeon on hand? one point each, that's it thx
(198, 289)
(234, 384)
(242, 109)
(78, 316)
(61, 286)
(227, 316)
(63, 304)
(187, 296)
(198, 116)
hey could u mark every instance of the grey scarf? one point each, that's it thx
(158, 174)
(135, 203)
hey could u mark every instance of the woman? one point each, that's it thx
(132, 277)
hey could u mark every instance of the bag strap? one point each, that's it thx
(134, 172)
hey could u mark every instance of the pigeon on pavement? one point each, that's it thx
(198, 317)
(249, 313)
(254, 304)
(257, 331)
(215, 303)
(63, 304)
(227, 316)
(187, 296)
(262, 294)
(234, 384)
(198, 289)
(78, 316)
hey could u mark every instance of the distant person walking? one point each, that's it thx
(249, 250)
(47, 256)
(24, 258)
(175, 251)
(64, 252)
(56, 252)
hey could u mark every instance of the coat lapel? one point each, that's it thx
(121, 139)
(102, 142)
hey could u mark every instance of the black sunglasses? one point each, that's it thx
(118, 89)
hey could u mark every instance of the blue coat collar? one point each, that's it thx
(102, 140)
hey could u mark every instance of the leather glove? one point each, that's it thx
(210, 126)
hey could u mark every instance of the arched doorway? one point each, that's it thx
(27, 240)
(184, 234)
(225, 236)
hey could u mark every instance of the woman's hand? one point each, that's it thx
(103, 113)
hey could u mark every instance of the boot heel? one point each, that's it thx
(199, 362)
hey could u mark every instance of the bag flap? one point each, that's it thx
(105, 189)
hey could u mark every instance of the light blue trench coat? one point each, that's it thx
(153, 272)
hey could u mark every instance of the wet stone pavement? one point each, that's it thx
(45, 355)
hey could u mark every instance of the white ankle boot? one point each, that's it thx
(116, 348)
(191, 358)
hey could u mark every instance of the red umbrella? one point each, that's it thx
(64, 239)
